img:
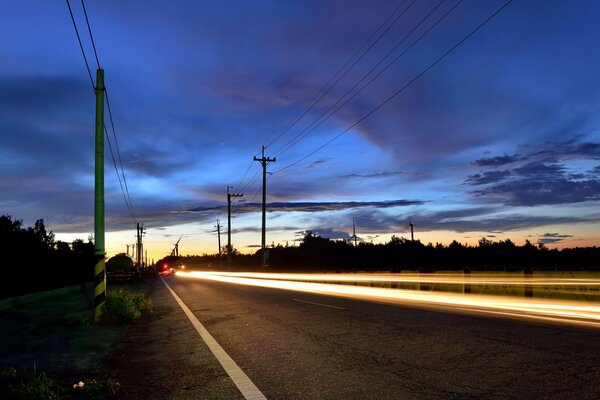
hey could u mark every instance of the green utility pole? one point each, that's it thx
(99, 269)
(229, 197)
(264, 161)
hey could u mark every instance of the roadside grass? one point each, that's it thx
(124, 306)
(34, 385)
(30, 386)
(51, 348)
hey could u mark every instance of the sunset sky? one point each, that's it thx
(499, 139)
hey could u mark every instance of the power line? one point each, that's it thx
(122, 184)
(87, 21)
(328, 86)
(255, 195)
(251, 182)
(118, 177)
(312, 127)
(112, 124)
(237, 187)
(87, 65)
(433, 64)
(336, 78)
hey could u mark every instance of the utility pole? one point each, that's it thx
(127, 249)
(264, 161)
(354, 231)
(137, 245)
(218, 226)
(140, 252)
(229, 197)
(412, 233)
(99, 252)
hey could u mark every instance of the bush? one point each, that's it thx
(125, 306)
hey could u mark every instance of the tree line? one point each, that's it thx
(32, 260)
(316, 253)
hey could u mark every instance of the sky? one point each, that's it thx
(381, 113)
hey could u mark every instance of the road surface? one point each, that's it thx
(295, 345)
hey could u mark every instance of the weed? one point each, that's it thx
(38, 386)
(125, 306)
(96, 389)
(31, 386)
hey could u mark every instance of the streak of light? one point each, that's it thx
(548, 310)
(458, 279)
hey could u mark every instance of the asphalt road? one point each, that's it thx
(306, 346)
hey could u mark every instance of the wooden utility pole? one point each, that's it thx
(412, 233)
(218, 226)
(140, 251)
(264, 161)
(229, 197)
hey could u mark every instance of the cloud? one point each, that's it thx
(548, 238)
(374, 174)
(487, 177)
(329, 233)
(496, 161)
(532, 191)
(466, 220)
(541, 176)
(310, 206)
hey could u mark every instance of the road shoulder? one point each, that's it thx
(163, 357)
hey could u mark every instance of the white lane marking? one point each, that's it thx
(239, 378)
(319, 304)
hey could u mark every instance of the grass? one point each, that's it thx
(123, 306)
(55, 333)
(34, 385)
(29, 386)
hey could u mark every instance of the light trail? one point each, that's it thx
(547, 310)
(452, 279)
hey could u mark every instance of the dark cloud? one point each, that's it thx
(536, 191)
(542, 177)
(330, 233)
(310, 206)
(373, 174)
(496, 161)
(467, 220)
(540, 170)
(548, 238)
(487, 177)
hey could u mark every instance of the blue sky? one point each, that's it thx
(499, 139)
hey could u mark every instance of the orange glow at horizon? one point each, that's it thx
(578, 313)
